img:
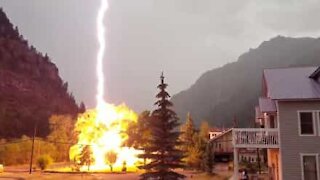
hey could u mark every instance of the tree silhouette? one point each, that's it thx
(82, 107)
(162, 152)
(86, 156)
(111, 158)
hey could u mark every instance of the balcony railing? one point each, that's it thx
(255, 138)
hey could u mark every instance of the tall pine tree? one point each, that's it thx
(163, 153)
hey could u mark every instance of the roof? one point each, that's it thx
(267, 105)
(292, 83)
(215, 129)
(222, 134)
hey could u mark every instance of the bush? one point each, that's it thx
(44, 161)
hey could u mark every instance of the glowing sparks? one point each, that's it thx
(104, 128)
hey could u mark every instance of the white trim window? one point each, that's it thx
(309, 166)
(307, 123)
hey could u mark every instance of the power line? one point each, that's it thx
(15, 142)
(47, 141)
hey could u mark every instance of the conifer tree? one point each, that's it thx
(187, 131)
(162, 152)
(187, 142)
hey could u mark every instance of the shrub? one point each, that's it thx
(44, 161)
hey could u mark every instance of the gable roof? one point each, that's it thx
(291, 83)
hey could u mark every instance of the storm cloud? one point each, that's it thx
(183, 38)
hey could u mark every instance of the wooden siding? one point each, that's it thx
(292, 144)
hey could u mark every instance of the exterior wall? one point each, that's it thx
(223, 143)
(213, 134)
(291, 143)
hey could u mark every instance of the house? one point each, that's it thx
(289, 117)
(214, 132)
(222, 146)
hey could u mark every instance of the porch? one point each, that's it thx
(253, 138)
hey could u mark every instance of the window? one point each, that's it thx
(310, 166)
(272, 121)
(306, 123)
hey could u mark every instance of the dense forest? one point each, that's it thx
(31, 89)
(229, 93)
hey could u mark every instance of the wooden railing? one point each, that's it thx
(255, 138)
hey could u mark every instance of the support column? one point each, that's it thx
(235, 164)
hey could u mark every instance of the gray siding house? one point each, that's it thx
(289, 117)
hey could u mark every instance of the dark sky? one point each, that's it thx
(183, 38)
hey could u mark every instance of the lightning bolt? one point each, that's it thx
(101, 51)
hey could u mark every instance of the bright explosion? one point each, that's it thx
(103, 129)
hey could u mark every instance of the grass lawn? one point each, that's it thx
(98, 176)
(21, 173)
(223, 175)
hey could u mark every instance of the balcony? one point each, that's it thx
(255, 138)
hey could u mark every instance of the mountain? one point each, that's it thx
(230, 92)
(30, 87)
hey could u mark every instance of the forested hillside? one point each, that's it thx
(223, 94)
(31, 89)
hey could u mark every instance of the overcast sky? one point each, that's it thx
(183, 38)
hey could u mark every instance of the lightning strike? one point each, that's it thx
(103, 129)
(102, 47)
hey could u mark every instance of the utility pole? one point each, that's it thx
(32, 148)
(259, 162)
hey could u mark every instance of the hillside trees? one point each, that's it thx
(61, 135)
(31, 89)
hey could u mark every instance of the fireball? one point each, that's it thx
(105, 131)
